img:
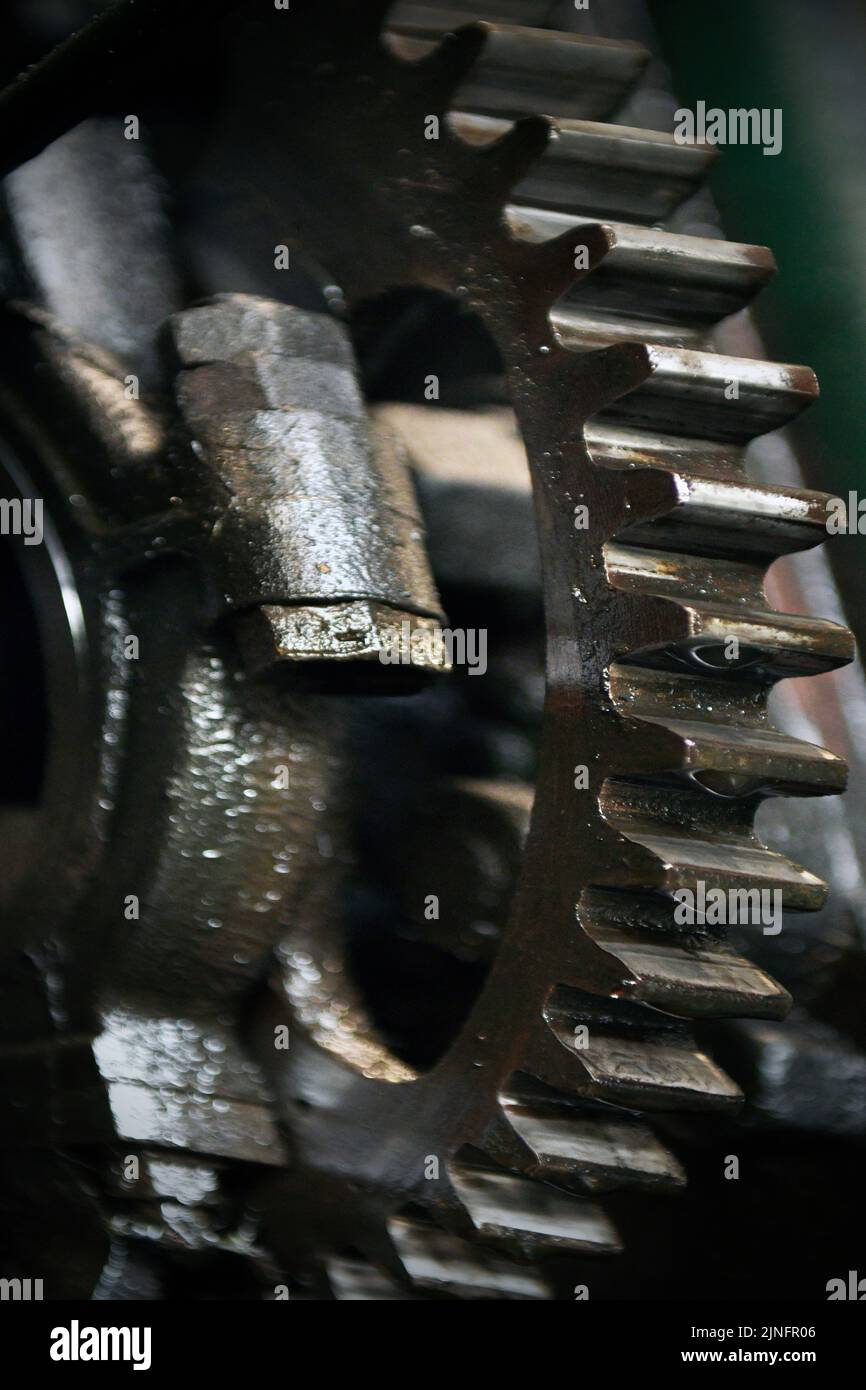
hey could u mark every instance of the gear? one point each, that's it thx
(337, 1166)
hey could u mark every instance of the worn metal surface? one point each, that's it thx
(662, 476)
(317, 540)
(157, 1032)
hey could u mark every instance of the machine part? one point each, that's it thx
(674, 558)
(160, 1040)
(318, 542)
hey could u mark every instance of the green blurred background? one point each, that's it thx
(808, 203)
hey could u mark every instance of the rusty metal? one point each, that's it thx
(156, 1035)
(661, 474)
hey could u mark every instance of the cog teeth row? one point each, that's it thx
(443, 1263)
(678, 435)
(654, 286)
(525, 70)
(599, 170)
(604, 1150)
(518, 1211)
(668, 422)
(633, 1060)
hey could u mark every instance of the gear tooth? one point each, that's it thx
(445, 68)
(508, 150)
(681, 501)
(737, 761)
(441, 1262)
(555, 265)
(627, 1055)
(731, 753)
(590, 77)
(592, 381)
(531, 1215)
(504, 1144)
(718, 857)
(684, 546)
(657, 286)
(685, 976)
(690, 394)
(776, 644)
(578, 173)
(601, 1149)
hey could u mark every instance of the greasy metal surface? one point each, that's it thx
(160, 1021)
(316, 527)
(417, 233)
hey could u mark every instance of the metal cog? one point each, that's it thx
(335, 1166)
(624, 409)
